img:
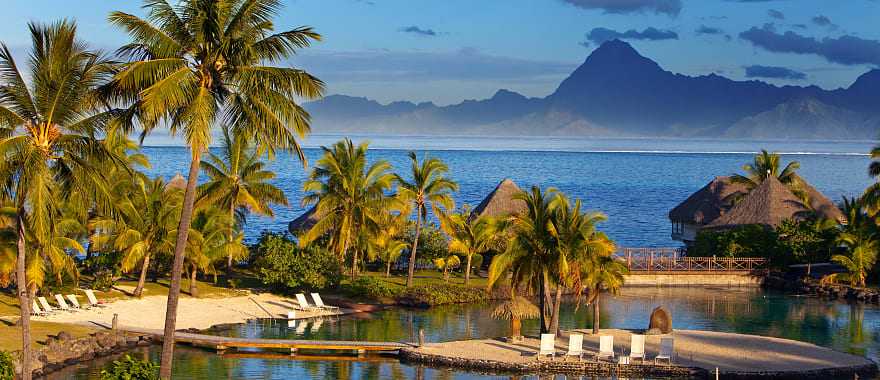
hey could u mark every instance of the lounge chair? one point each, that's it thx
(606, 347)
(74, 302)
(316, 326)
(303, 303)
(637, 347)
(301, 326)
(62, 304)
(666, 350)
(93, 301)
(36, 311)
(548, 346)
(45, 304)
(321, 305)
(575, 346)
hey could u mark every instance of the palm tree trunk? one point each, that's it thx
(554, 320)
(23, 301)
(354, 261)
(177, 266)
(193, 289)
(596, 313)
(541, 299)
(415, 246)
(139, 289)
(232, 219)
(388, 268)
(467, 271)
(515, 328)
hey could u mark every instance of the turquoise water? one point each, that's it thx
(845, 327)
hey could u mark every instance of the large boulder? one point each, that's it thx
(661, 320)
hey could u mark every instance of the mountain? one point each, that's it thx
(619, 92)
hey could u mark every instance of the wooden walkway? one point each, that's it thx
(673, 261)
(222, 343)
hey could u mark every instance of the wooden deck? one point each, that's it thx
(222, 343)
(673, 261)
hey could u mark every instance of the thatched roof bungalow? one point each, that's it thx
(304, 222)
(500, 202)
(176, 182)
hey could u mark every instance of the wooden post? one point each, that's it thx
(292, 351)
(421, 337)
(115, 324)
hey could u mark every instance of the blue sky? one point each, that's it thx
(448, 51)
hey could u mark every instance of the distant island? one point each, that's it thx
(617, 92)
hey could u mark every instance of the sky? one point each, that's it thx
(452, 50)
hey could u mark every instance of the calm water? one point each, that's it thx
(634, 181)
(845, 327)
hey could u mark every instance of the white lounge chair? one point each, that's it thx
(575, 346)
(62, 304)
(637, 347)
(303, 303)
(666, 350)
(301, 326)
(548, 346)
(36, 311)
(74, 302)
(606, 347)
(45, 304)
(316, 326)
(321, 305)
(93, 301)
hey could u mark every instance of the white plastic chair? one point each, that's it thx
(74, 302)
(548, 346)
(606, 347)
(637, 347)
(575, 345)
(93, 301)
(303, 303)
(666, 350)
(301, 326)
(35, 310)
(45, 305)
(321, 305)
(62, 304)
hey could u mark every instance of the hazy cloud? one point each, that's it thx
(600, 35)
(669, 7)
(703, 29)
(847, 50)
(774, 72)
(824, 21)
(417, 30)
(776, 14)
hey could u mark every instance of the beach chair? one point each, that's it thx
(45, 304)
(666, 350)
(606, 347)
(316, 326)
(62, 304)
(93, 301)
(36, 311)
(319, 303)
(548, 346)
(575, 346)
(301, 326)
(637, 347)
(303, 303)
(74, 302)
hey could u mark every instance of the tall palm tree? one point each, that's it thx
(531, 256)
(601, 272)
(429, 186)
(766, 165)
(350, 193)
(141, 228)
(468, 236)
(238, 182)
(200, 62)
(47, 140)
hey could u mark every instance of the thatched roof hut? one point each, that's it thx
(304, 222)
(500, 202)
(819, 202)
(708, 203)
(517, 308)
(769, 204)
(176, 182)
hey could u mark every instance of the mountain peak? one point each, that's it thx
(507, 94)
(617, 47)
(869, 80)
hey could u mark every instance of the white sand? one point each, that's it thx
(200, 313)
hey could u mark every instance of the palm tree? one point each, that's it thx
(429, 186)
(601, 272)
(860, 258)
(447, 263)
(238, 182)
(874, 167)
(468, 236)
(141, 228)
(766, 165)
(48, 129)
(210, 240)
(384, 243)
(201, 62)
(531, 256)
(350, 194)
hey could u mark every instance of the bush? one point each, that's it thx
(285, 267)
(7, 370)
(432, 242)
(372, 287)
(742, 241)
(129, 368)
(440, 294)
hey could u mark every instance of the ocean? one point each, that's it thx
(635, 182)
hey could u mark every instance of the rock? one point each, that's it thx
(661, 320)
(64, 336)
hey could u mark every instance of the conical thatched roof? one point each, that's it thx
(500, 201)
(708, 203)
(304, 221)
(518, 307)
(176, 182)
(820, 203)
(768, 204)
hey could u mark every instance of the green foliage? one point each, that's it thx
(432, 242)
(7, 370)
(742, 241)
(440, 294)
(807, 241)
(372, 287)
(286, 267)
(129, 368)
(476, 263)
(793, 242)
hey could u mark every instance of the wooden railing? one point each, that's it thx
(673, 260)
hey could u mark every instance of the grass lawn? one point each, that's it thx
(10, 335)
(425, 277)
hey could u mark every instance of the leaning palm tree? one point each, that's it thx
(238, 182)
(385, 244)
(196, 63)
(860, 257)
(350, 193)
(429, 186)
(468, 236)
(47, 141)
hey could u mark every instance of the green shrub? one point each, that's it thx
(7, 370)
(372, 287)
(129, 368)
(742, 241)
(285, 267)
(440, 294)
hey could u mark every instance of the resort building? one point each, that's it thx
(768, 204)
(500, 202)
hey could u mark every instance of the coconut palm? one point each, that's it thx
(142, 227)
(200, 62)
(428, 187)
(468, 236)
(238, 182)
(47, 140)
(874, 167)
(860, 257)
(350, 193)
(210, 240)
(384, 243)
(766, 165)
(515, 310)
(447, 263)
(601, 272)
